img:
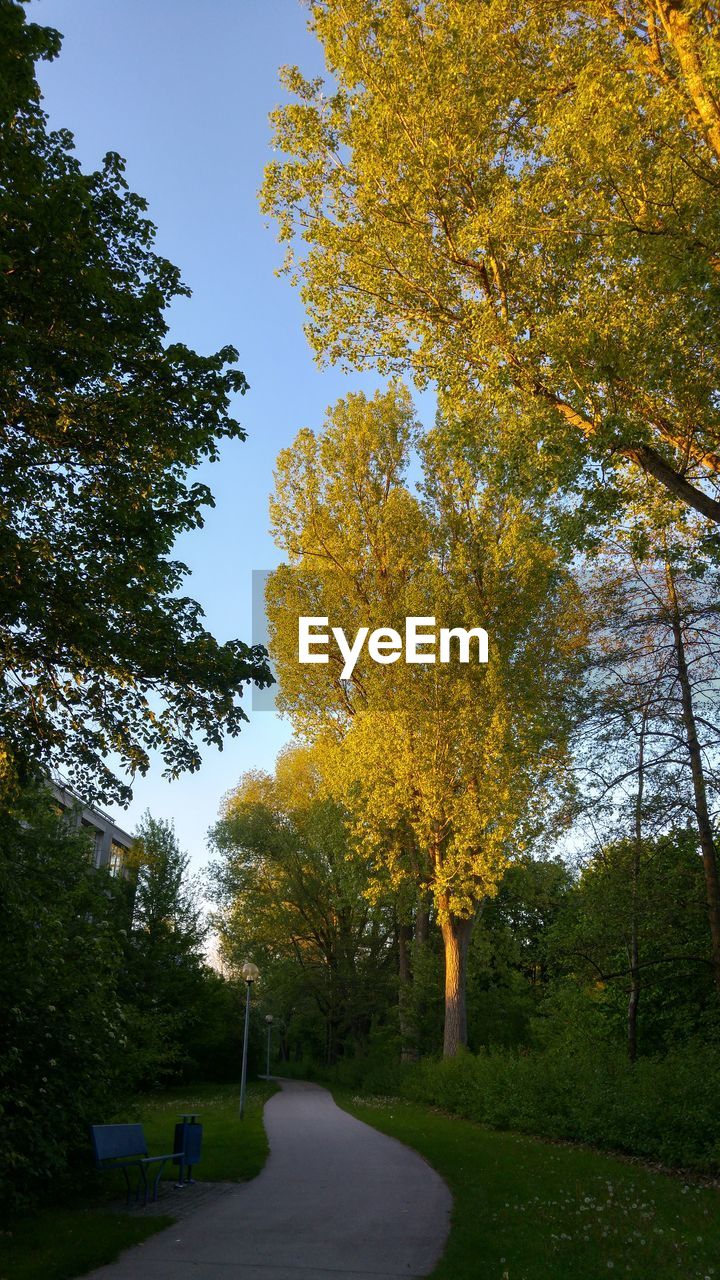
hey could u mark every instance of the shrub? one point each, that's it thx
(661, 1108)
(61, 946)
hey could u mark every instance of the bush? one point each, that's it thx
(61, 947)
(663, 1108)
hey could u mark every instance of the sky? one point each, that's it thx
(182, 89)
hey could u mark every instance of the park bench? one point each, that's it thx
(123, 1146)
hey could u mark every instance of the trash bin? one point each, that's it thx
(188, 1139)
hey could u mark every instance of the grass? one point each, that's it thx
(233, 1149)
(58, 1244)
(525, 1209)
(65, 1242)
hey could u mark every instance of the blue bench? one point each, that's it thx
(123, 1146)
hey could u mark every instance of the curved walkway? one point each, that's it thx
(336, 1198)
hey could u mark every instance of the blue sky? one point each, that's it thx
(182, 89)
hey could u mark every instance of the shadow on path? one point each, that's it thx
(336, 1198)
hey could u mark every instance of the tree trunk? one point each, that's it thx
(404, 934)
(456, 934)
(422, 921)
(408, 1022)
(704, 826)
(681, 30)
(634, 996)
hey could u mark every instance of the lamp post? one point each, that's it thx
(250, 975)
(268, 1023)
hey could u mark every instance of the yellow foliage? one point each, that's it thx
(445, 771)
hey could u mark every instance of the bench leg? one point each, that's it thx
(156, 1182)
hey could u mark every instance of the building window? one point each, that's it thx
(97, 839)
(117, 858)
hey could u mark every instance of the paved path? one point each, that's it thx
(335, 1199)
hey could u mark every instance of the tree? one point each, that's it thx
(511, 964)
(444, 771)
(101, 425)
(537, 234)
(65, 1052)
(167, 982)
(290, 897)
(656, 899)
(166, 914)
(654, 725)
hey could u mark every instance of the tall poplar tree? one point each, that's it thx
(445, 770)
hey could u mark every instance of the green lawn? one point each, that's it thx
(62, 1243)
(58, 1244)
(233, 1149)
(532, 1210)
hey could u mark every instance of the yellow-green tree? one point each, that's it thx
(519, 201)
(289, 896)
(446, 770)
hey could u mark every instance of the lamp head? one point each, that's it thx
(268, 1018)
(250, 972)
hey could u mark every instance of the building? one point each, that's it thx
(110, 842)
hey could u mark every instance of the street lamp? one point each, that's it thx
(268, 1023)
(250, 975)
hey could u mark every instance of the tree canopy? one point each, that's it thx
(519, 202)
(102, 421)
(290, 895)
